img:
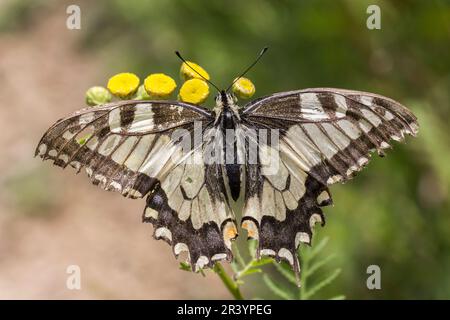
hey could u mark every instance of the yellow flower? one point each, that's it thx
(187, 73)
(244, 88)
(194, 91)
(123, 85)
(159, 85)
(97, 95)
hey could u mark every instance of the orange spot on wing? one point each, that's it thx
(231, 231)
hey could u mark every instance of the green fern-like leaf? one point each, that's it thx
(261, 262)
(277, 289)
(234, 266)
(252, 246)
(185, 266)
(329, 279)
(251, 271)
(286, 271)
(237, 255)
(317, 265)
(311, 263)
(315, 250)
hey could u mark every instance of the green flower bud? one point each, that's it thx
(142, 94)
(97, 95)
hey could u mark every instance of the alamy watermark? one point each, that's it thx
(374, 19)
(374, 280)
(73, 21)
(73, 281)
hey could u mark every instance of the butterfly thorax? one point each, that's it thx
(226, 107)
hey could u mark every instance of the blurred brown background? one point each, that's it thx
(49, 218)
(395, 214)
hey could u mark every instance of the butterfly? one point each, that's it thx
(138, 148)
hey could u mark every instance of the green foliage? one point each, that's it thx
(310, 264)
(308, 287)
(187, 267)
(279, 290)
(16, 15)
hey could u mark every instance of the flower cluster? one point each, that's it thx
(158, 86)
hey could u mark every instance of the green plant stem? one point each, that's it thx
(241, 272)
(231, 285)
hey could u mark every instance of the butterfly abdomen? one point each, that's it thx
(233, 168)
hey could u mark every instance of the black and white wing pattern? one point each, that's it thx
(138, 148)
(174, 154)
(326, 136)
(190, 208)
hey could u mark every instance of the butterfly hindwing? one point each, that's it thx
(280, 205)
(190, 209)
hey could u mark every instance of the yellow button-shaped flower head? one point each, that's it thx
(123, 85)
(244, 88)
(187, 73)
(159, 85)
(194, 91)
(97, 95)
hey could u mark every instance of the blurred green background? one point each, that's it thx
(394, 214)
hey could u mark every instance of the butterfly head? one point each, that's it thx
(226, 102)
(225, 99)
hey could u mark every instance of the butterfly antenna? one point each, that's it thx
(187, 63)
(249, 67)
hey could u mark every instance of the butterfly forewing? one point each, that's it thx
(118, 143)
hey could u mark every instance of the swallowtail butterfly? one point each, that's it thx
(325, 136)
